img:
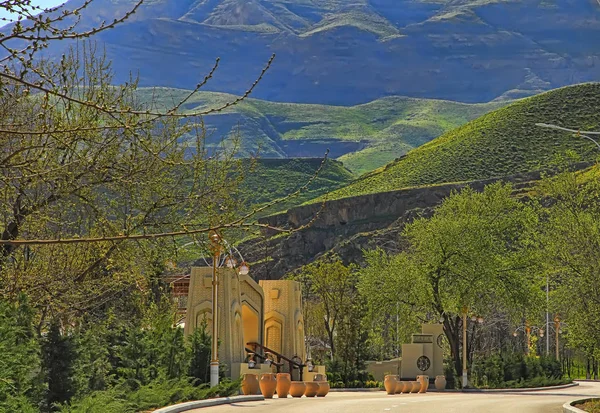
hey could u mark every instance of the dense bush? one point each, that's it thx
(105, 366)
(346, 375)
(124, 399)
(516, 370)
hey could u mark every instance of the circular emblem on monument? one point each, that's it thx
(423, 363)
(440, 340)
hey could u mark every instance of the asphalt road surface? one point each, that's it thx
(548, 401)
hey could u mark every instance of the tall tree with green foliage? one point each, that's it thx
(475, 251)
(333, 285)
(199, 344)
(571, 248)
(58, 357)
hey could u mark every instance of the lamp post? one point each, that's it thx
(577, 133)
(528, 329)
(557, 331)
(216, 248)
(547, 316)
(465, 379)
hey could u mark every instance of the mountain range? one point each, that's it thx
(364, 137)
(348, 52)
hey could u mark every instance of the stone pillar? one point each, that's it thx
(284, 322)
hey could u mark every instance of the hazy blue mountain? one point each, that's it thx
(353, 51)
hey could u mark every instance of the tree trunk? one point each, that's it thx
(452, 330)
(330, 337)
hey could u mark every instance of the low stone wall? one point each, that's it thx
(379, 369)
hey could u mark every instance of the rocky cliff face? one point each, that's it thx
(347, 226)
(349, 52)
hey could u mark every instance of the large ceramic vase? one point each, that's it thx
(323, 388)
(390, 384)
(399, 386)
(424, 380)
(250, 384)
(440, 382)
(312, 388)
(297, 389)
(323, 385)
(407, 387)
(283, 385)
(416, 386)
(268, 383)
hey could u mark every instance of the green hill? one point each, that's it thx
(500, 143)
(364, 137)
(270, 179)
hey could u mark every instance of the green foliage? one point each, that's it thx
(58, 355)
(475, 251)
(590, 406)
(270, 179)
(332, 285)
(159, 393)
(200, 348)
(571, 253)
(20, 365)
(501, 143)
(512, 370)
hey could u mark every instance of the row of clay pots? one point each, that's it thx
(281, 382)
(393, 385)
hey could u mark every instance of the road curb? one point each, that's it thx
(522, 390)
(569, 408)
(182, 407)
(528, 389)
(357, 390)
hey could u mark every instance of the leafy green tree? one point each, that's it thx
(475, 251)
(200, 348)
(332, 285)
(571, 248)
(58, 356)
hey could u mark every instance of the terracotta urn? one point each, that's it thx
(312, 388)
(323, 388)
(250, 384)
(399, 386)
(407, 387)
(424, 380)
(416, 386)
(268, 383)
(390, 384)
(297, 389)
(440, 382)
(283, 385)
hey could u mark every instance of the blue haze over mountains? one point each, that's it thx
(346, 52)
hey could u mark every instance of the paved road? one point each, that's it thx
(549, 401)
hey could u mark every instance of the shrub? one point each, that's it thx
(512, 370)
